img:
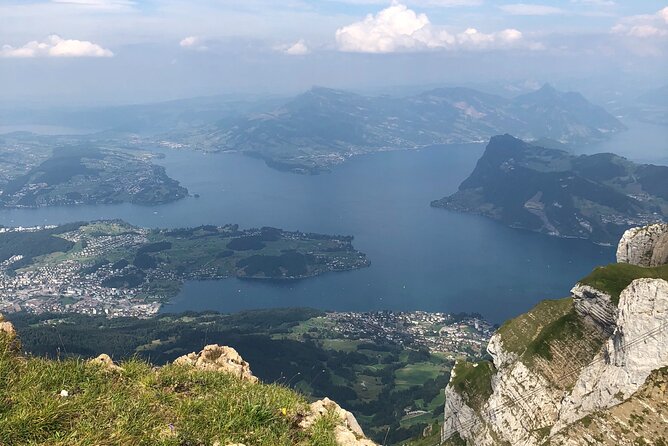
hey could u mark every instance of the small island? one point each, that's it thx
(117, 269)
(32, 174)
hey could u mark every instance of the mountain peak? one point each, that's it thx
(326, 91)
(506, 143)
(547, 91)
(547, 87)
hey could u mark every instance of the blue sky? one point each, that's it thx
(28, 19)
(170, 48)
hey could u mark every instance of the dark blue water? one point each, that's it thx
(422, 258)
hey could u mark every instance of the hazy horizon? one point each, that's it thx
(107, 52)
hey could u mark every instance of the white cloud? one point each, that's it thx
(99, 4)
(193, 43)
(664, 14)
(421, 3)
(449, 3)
(596, 2)
(644, 31)
(398, 28)
(530, 9)
(644, 26)
(56, 46)
(298, 48)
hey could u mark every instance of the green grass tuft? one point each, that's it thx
(474, 382)
(614, 278)
(517, 334)
(568, 326)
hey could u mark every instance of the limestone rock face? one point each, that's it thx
(500, 355)
(461, 418)
(348, 432)
(219, 359)
(595, 306)
(636, 348)
(645, 246)
(644, 412)
(527, 407)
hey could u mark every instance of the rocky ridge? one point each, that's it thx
(591, 364)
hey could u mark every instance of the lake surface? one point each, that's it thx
(44, 129)
(422, 258)
(642, 142)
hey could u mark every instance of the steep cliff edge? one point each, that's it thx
(208, 398)
(588, 369)
(646, 246)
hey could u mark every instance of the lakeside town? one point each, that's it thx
(115, 269)
(64, 286)
(444, 333)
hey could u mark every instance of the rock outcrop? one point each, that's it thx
(559, 367)
(104, 361)
(7, 328)
(639, 420)
(646, 246)
(594, 305)
(226, 359)
(348, 431)
(219, 359)
(636, 348)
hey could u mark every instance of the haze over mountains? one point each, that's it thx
(323, 127)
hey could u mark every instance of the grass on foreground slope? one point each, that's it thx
(517, 334)
(141, 405)
(612, 279)
(473, 381)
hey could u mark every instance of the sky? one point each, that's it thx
(128, 51)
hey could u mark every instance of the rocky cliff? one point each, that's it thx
(588, 369)
(646, 246)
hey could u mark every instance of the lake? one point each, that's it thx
(422, 258)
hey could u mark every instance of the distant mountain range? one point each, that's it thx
(551, 191)
(324, 127)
